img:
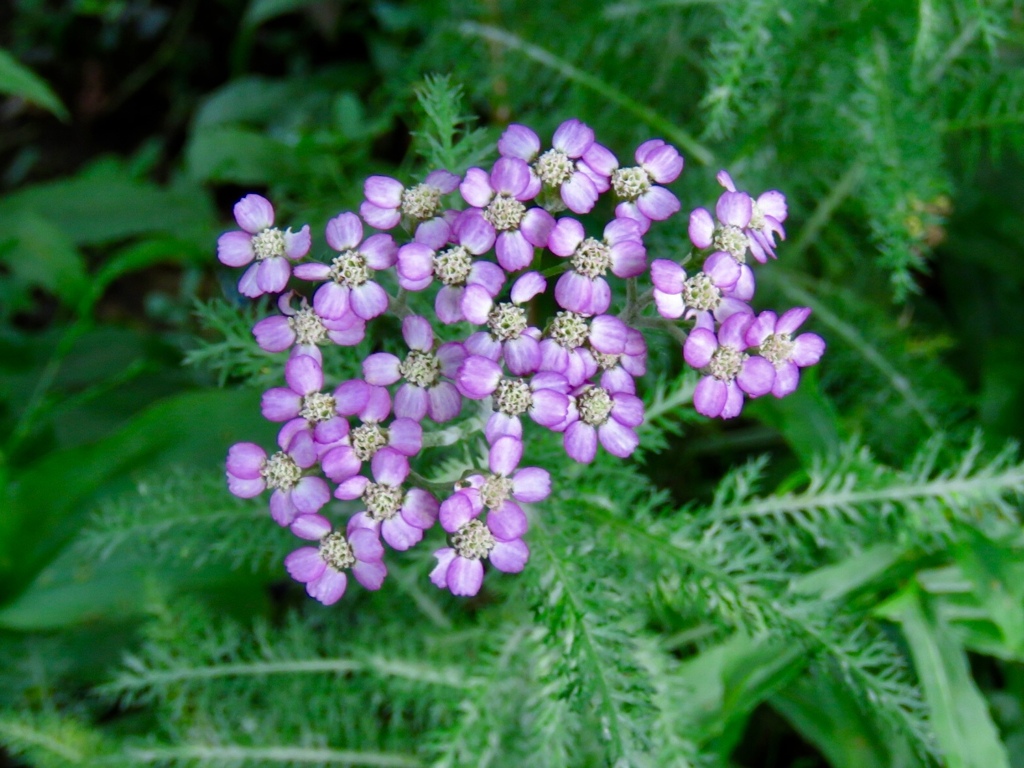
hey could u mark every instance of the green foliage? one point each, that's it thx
(841, 568)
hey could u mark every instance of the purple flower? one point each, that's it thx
(424, 392)
(372, 404)
(565, 167)
(610, 416)
(322, 568)
(262, 241)
(303, 405)
(568, 337)
(766, 217)
(349, 287)
(305, 329)
(619, 370)
(722, 288)
(500, 199)
(657, 163)
(729, 370)
(743, 223)
(250, 472)
(460, 567)
(773, 338)
(583, 288)
(469, 286)
(399, 515)
(543, 397)
(387, 200)
(508, 336)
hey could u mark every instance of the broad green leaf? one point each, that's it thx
(104, 204)
(18, 80)
(237, 155)
(834, 582)
(42, 254)
(45, 504)
(963, 725)
(822, 709)
(260, 11)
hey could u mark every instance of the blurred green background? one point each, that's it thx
(128, 128)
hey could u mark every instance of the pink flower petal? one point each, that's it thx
(465, 576)
(254, 213)
(329, 587)
(510, 556)
(235, 249)
(531, 484)
(305, 564)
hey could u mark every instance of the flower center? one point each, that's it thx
(604, 362)
(756, 217)
(569, 330)
(594, 406)
(317, 407)
(630, 183)
(421, 202)
(700, 293)
(473, 541)
(495, 491)
(554, 167)
(349, 269)
(367, 439)
(513, 397)
(268, 244)
(726, 363)
(452, 266)
(592, 258)
(382, 501)
(307, 326)
(281, 471)
(731, 240)
(336, 552)
(506, 321)
(420, 368)
(505, 212)
(777, 348)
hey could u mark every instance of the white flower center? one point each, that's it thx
(308, 327)
(367, 439)
(506, 321)
(382, 501)
(594, 405)
(420, 368)
(349, 269)
(452, 266)
(756, 217)
(726, 363)
(777, 348)
(700, 293)
(318, 407)
(421, 202)
(731, 240)
(268, 244)
(473, 541)
(513, 397)
(281, 471)
(554, 167)
(495, 491)
(336, 552)
(630, 183)
(605, 362)
(505, 212)
(592, 258)
(569, 330)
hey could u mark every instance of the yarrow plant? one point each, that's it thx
(480, 248)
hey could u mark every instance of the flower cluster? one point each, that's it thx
(480, 250)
